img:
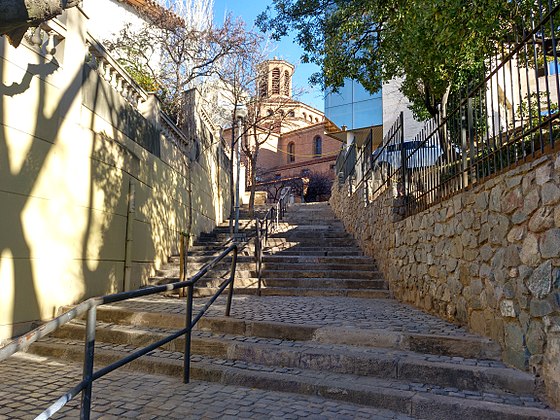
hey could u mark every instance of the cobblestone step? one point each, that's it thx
(315, 272)
(205, 259)
(325, 292)
(324, 283)
(443, 371)
(417, 399)
(311, 241)
(172, 273)
(210, 281)
(358, 260)
(313, 251)
(285, 263)
(389, 335)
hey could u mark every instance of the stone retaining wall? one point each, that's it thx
(488, 258)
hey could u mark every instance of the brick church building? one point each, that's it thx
(298, 148)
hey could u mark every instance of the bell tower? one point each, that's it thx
(276, 79)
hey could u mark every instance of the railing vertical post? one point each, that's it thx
(258, 252)
(231, 281)
(464, 146)
(182, 257)
(403, 156)
(266, 228)
(188, 322)
(470, 126)
(88, 363)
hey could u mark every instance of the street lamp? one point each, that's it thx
(240, 114)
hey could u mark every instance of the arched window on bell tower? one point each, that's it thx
(263, 87)
(286, 83)
(276, 81)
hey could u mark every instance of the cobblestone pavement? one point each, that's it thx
(29, 384)
(319, 311)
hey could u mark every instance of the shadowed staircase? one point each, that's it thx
(309, 255)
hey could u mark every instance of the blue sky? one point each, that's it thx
(286, 48)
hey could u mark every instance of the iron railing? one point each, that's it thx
(265, 226)
(506, 115)
(90, 306)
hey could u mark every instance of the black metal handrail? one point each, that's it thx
(90, 306)
(263, 227)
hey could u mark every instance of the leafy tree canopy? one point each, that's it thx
(431, 44)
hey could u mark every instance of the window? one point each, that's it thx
(276, 81)
(286, 83)
(263, 88)
(291, 152)
(270, 112)
(291, 114)
(317, 146)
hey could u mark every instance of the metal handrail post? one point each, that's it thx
(88, 363)
(266, 228)
(188, 334)
(231, 281)
(258, 253)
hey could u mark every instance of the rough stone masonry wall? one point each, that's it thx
(488, 258)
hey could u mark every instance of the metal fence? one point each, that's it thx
(508, 114)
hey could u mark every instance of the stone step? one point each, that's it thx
(414, 398)
(306, 260)
(323, 283)
(468, 346)
(286, 264)
(310, 241)
(281, 271)
(317, 292)
(318, 273)
(250, 287)
(472, 374)
(173, 275)
(205, 259)
(313, 251)
(193, 267)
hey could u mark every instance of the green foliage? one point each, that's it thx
(432, 44)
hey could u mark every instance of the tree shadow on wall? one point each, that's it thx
(18, 180)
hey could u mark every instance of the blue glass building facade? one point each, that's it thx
(353, 106)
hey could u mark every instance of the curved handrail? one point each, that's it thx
(269, 222)
(90, 306)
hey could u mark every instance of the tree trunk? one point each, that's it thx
(16, 16)
(253, 163)
(443, 140)
(231, 179)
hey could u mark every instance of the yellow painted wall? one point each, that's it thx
(65, 175)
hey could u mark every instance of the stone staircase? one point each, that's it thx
(309, 334)
(309, 255)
